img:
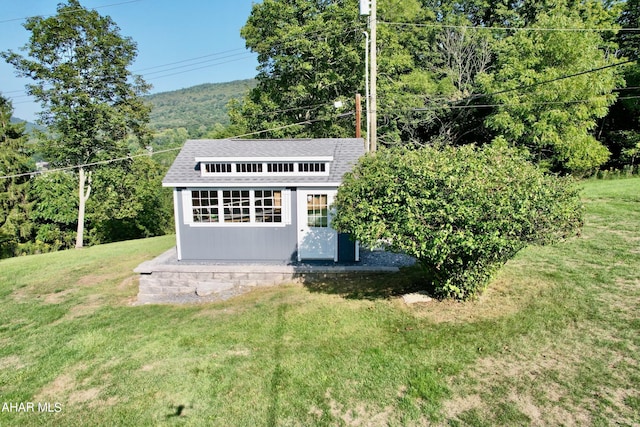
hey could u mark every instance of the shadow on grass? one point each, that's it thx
(372, 286)
(178, 413)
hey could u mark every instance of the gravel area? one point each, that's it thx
(383, 259)
(368, 258)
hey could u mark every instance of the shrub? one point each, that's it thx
(462, 212)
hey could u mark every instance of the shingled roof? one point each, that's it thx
(185, 170)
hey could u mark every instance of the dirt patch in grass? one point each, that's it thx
(625, 297)
(357, 415)
(96, 279)
(58, 297)
(90, 305)
(62, 385)
(452, 408)
(503, 297)
(540, 381)
(12, 362)
(131, 282)
(67, 388)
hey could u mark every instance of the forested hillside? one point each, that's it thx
(197, 109)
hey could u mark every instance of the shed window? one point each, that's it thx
(237, 205)
(317, 210)
(248, 167)
(311, 167)
(288, 167)
(268, 205)
(204, 205)
(217, 167)
(242, 207)
(280, 167)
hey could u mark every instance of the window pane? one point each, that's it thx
(236, 205)
(268, 206)
(204, 206)
(317, 210)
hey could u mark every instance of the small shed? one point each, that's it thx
(261, 200)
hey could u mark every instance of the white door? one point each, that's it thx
(316, 238)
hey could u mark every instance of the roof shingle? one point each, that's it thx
(185, 171)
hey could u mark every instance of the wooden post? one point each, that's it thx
(358, 116)
(374, 74)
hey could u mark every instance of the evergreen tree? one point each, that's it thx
(15, 226)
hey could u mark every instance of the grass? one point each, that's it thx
(553, 341)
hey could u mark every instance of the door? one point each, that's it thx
(316, 238)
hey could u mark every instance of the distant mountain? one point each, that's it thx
(28, 127)
(198, 108)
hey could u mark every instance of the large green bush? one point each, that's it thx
(462, 212)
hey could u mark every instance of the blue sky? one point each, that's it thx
(180, 43)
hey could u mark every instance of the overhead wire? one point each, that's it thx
(147, 154)
(496, 28)
(245, 55)
(68, 11)
(514, 104)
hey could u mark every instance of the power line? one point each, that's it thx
(245, 56)
(515, 104)
(189, 60)
(544, 82)
(133, 156)
(473, 27)
(69, 11)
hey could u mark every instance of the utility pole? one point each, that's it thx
(374, 74)
(358, 116)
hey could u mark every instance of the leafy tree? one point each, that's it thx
(132, 204)
(462, 212)
(91, 101)
(435, 73)
(629, 40)
(620, 129)
(55, 210)
(310, 56)
(15, 226)
(551, 115)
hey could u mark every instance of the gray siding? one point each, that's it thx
(239, 243)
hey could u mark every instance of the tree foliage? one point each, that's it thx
(15, 205)
(133, 203)
(620, 129)
(540, 107)
(55, 211)
(462, 212)
(449, 71)
(309, 57)
(91, 101)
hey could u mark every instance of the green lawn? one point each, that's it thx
(554, 340)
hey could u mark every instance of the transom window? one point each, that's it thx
(218, 167)
(280, 167)
(266, 168)
(248, 167)
(237, 206)
(311, 167)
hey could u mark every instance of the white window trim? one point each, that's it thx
(264, 159)
(187, 208)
